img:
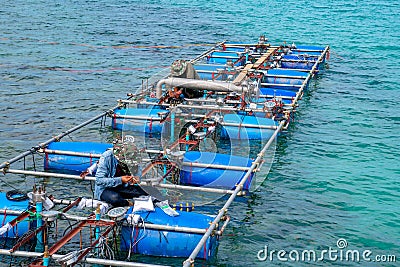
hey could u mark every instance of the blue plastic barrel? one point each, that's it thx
(214, 177)
(73, 163)
(239, 47)
(297, 62)
(221, 57)
(261, 102)
(235, 49)
(210, 71)
(307, 53)
(277, 92)
(312, 52)
(167, 243)
(310, 47)
(241, 131)
(23, 226)
(284, 79)
(209, 67)
(150, 125)
(287, 72)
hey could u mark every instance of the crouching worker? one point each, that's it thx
(114, 181)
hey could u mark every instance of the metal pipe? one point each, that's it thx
(250, 45)
(174, 228)
(138, 117)
(80, 218)
(216, 65)
(281, 84)
(147, 226)
(39, 236)
(89, 155)
(272, 96)
(69, 153)
(215, 166)
(226, 107)
(227, 57)
(308, 50)
(249, 125)
(154, 151)
(87, 260)
(172, 126)
(194, 188)
(91, 178)
(119, 263)
(208, 107)
(198, 85)
(10, 212)
(217, 108)
(56, 138)
(207, 52)
(227, 220)
(63, 201)
(97, 228)
(238, 188)
(301, 70)
(210, 71)
(311, 74)
(283, 76)
(299, 60)
(48, 174)
(202, 100)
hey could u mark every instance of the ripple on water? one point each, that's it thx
(335, 173)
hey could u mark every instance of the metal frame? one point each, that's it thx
(5, 167)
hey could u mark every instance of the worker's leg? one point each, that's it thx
(131, 191)
(113, 197)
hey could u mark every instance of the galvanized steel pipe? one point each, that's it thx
(215, 166)
(195, 188)
(311, 74)
(198, 85)
(57, 138)
(87, 260)
(190, 259)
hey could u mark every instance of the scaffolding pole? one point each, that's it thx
(213, 225)
(28, 254)
(6, 164)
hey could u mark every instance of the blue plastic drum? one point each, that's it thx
(168, 243)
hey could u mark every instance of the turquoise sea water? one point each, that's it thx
(336, 172)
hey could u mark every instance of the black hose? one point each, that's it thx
(16, 195)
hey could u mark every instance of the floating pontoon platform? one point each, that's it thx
(205, 129)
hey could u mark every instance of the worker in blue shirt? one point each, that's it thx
(114, 182)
